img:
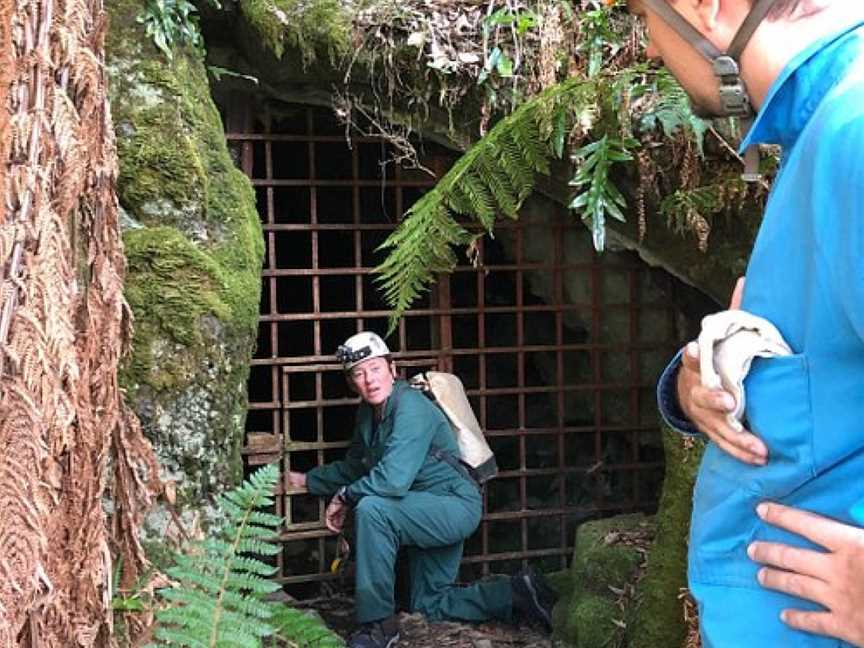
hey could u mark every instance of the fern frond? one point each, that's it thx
(304, 631)
(421, 246)
(220, 597)
(493, 177)
(598, 194)
(670, 108)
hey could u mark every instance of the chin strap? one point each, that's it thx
(734, 99)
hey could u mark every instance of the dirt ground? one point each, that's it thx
(416, 632)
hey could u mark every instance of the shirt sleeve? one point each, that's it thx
(404, 453)
(327, 479)
(667, 400)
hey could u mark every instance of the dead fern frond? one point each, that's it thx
(63, 331)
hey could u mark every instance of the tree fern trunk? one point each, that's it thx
(66, 438)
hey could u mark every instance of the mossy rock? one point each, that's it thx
(658, 616)
(600, 558)
(605, 562)
(320, 26)
(589, 621)
(194, 248)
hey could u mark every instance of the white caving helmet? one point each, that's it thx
(361, 347)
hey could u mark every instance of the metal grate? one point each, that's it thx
(558, 347)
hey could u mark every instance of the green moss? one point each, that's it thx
(658, 620)
(170, 285)
(589, 623)
(560, 581)
(204, 241)
(601, 560)
(194, 260)
(311, 27)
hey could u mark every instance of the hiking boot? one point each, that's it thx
(533, 598)
(378, 634)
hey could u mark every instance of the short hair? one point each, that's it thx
(786, 8)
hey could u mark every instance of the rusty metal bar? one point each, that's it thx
(319, 184)
(558, 301)
(480, 351)
(336, 315)
(358, 236)
(633, 362)
(299, 139)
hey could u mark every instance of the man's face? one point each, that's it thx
(692, 70)
(372, 380)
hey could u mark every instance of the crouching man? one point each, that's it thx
(404, 495)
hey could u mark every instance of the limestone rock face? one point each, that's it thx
(194, 248)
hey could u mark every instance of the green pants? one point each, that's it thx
(432, 528)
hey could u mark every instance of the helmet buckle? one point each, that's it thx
(733, 94)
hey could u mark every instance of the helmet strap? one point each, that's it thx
(734, 100)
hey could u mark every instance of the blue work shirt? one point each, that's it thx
(806, 275)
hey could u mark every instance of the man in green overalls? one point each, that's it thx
(404, 495)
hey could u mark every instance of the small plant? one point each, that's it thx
(598, 38)
(173, 23)
(598, 195)
(219, 599)
(669, 107)
(298, 629)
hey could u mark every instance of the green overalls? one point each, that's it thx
(406, 498)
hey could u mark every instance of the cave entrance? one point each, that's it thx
(558, 347)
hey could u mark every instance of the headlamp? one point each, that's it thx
(346, 354)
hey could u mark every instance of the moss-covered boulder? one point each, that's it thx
(659, 609)
(194, 249)
(606, 559)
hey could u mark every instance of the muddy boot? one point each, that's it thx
(378, 634)
(533, 598)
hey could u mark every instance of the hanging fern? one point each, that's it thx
(219, 601)
(704, 202)
(494, 177)
(498, 173)
(599, 194)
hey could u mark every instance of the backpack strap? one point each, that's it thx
(459, 466)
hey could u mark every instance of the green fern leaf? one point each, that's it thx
(492, 178)
(220, 599)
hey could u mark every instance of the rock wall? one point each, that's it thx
(194, 247)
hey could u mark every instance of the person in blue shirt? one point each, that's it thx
(402, 479)
(800, 64)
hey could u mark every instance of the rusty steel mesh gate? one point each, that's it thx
(558, 347)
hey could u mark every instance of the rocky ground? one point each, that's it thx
(417, 632)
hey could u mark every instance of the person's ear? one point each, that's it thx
(708, 12)
(393, 371)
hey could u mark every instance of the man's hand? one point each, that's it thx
(296, 479)
(833, 579)
(707, 408)
(334, 516)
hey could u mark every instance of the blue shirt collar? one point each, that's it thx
(801, 86)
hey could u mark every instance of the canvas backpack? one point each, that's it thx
(448, 393)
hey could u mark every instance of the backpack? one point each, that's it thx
(448, 393)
